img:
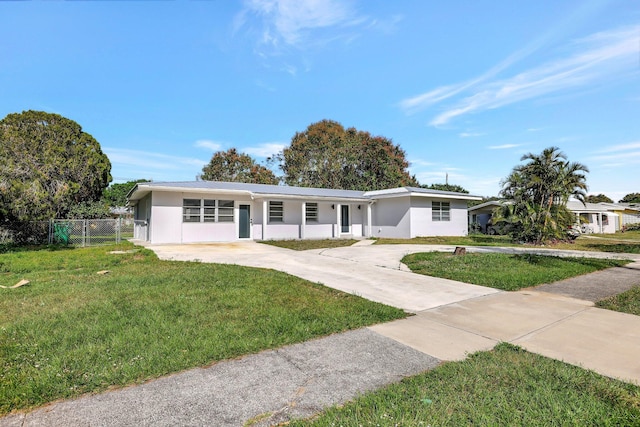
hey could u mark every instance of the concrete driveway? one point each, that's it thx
(346, 271)
(454, 319)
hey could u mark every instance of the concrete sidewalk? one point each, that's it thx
(452, 319)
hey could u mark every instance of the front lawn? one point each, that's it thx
(73, 331)
(503, 387)
(504, 271)
(630, 243)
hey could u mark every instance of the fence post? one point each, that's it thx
(84, 232)
(50, 230)
(118, 229)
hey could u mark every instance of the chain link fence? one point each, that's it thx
(90, 232)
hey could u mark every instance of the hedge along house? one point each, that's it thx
(209, 211)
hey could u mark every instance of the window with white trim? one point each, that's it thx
(191, 210)
(311, 212)
(276, 212)
(207, 210)
(440, 211)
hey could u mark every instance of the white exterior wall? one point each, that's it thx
(167, 225)
(324, 227)
(423, 225)
(391, 218)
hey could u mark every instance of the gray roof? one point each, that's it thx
(284, 190)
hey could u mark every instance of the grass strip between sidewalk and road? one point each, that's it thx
(505, 386)
(628, 242)
(504, 271)
(73, 331)
(626, 302)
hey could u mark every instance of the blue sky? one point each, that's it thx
(464, 87)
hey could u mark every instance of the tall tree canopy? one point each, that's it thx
(599, 198)
(539, 191)
(47, 165)
(327, 155)
(237, 167)
(631, 198)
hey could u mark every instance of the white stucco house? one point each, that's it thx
(210, 211)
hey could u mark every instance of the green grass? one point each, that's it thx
(303, 245)
(72, 331)
(504, 271)
(608, 243)
(470, 240)
(503, 387)
(626, 302)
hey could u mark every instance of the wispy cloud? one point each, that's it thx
(620, 155)
(469, 134)
(208, 144)
(292, 22)
(621, 147)
(265, 150)
(148, 160)
(601, 57)
(503, 146)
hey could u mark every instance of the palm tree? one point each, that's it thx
(540, 190)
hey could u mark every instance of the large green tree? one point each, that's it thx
(539, 191)
(237, 167)
(116, 194)
(598, 198)
(327, 155)
(631, 198)
(47, 165)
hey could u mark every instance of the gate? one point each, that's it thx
(90, 232)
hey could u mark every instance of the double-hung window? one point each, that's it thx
(207, 210)
(440, 211)
(311, 212)
(276, 212)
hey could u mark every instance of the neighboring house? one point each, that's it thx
(592, 217)
(208, 211)
(481, 214)
(628, 213)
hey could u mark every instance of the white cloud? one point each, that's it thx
(503, 146)
(208, 144)
(148, 160)
(601, 57)
(469, 134)
(290, 22)
(265, 150)
(621, 147)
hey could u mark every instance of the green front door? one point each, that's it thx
(245, 221)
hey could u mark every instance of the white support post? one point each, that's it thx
(338, 220)
(369, 222)
(303, 222)
(265, 206)
(600, 221)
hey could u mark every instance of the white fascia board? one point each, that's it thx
(309, 198)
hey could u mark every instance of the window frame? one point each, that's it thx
(440, 211)
(208, 211)
(276, 211)
(311, 212)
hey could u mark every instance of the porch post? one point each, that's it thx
(264, 219)
(303, 222)
(338, 218)
(369, 222)
(600, 221)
